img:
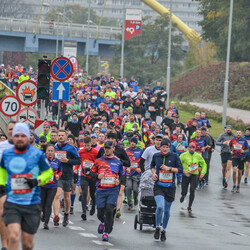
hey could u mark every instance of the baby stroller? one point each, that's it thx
(146, 205)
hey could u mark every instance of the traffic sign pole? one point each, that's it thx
(59, 112)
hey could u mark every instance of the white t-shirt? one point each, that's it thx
(4, 145)
(148, 156)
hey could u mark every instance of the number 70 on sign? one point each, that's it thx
(10, 106)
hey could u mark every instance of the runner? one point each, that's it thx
(69, 157)
(226, 157)
(191, 162)
(134, 172)
(247, 137)
(164, 166)
(107, 169)
(5, 145)
(48, 191)
(88, 156)
(23, 174)
(239, 148)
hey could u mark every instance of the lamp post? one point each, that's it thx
(87, 44)
(63, 27)
(123, 40)
(224, 115)
(169, 56)
(57, 26)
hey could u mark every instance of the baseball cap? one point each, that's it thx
(46, 124)
(129, 108)
(177, 116)
(109, 144)
(130, 134)
(192, 145)
(93, 136)
(229, 126)
(104, 130)
(43, 139)
(165, 142)
(159, 136)
(112, 135)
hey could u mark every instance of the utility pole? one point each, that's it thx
(123, 40)
(63, 27)
(87, 44)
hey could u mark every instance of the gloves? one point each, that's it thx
(32, 182)
(2, 190)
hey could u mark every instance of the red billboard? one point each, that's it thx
(133, 23)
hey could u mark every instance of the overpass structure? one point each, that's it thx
(18, 35)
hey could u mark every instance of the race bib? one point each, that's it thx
(165, 176)
(134, 165)
(94, 97)
(51, 180)
(151, 108)
(108, 181)
(163, 99)
(192, 167)
(237, 146)
(181, 148)
(248, 143)
(19, 185)
(116, 107)
(87, 164)
(60, 154)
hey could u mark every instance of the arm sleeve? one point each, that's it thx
(76, 160)
(152, 165)
(218, 142)
(45, 176)
(3, 176)
(141, 164)
(125, 159)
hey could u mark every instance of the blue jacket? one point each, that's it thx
(248, 141)
(99, 100)
(170, 160)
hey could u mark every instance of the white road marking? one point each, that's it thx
(88, 235)
(102, 243)
(76, 228)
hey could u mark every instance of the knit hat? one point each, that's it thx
(134, 139)
(21, 128)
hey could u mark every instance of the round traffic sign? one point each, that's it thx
(10, 105)
(27, 115)
(61, 68)
(26, 93)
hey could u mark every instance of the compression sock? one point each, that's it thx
(72, 198)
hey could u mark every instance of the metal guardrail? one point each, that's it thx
(49, 28)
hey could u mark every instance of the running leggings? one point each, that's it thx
(162, 205)
(192, 180)
(105, 215)
(47, 197)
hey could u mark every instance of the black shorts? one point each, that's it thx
(238, 162)
(66, 185)
(225, 157)
(248, 158)
(28, 216)
(167, 192)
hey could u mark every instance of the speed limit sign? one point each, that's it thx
(10, 106)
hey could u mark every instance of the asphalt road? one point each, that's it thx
(221, 220)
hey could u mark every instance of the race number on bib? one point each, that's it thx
(237, 146)
(108, 181)
(165, 176)
(116, 107)
(192, 167)
(51, 180)
(134, 165)
(19, 185)
(87, 164)
(181, 148)
(60, 154)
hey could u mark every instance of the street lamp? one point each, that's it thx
(87, 44)
(224, 115)
(63, 27)
(169, 56)
(58, 14)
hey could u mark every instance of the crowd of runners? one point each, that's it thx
(110, 136)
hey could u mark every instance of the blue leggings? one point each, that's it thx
(160, 200)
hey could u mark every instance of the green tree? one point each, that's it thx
(215, 27)
(146, 54)
(77, 14)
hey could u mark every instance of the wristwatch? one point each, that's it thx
(170, 169)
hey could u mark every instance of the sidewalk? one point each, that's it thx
(236, 114)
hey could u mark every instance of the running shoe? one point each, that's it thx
(125, 201)
(225, 185)
(84, 217)
(189, 210)
(245, 180)
(100, 229)
(233, 189)
(105, 237)
(157, 233)
(129, 207)
(71, 211)
(92, 210)
(56, 221)
(45, 226)
(223, 181)
(182, 199)
(237, 189)
(66, 220)
(163, 235)
(118, 213)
